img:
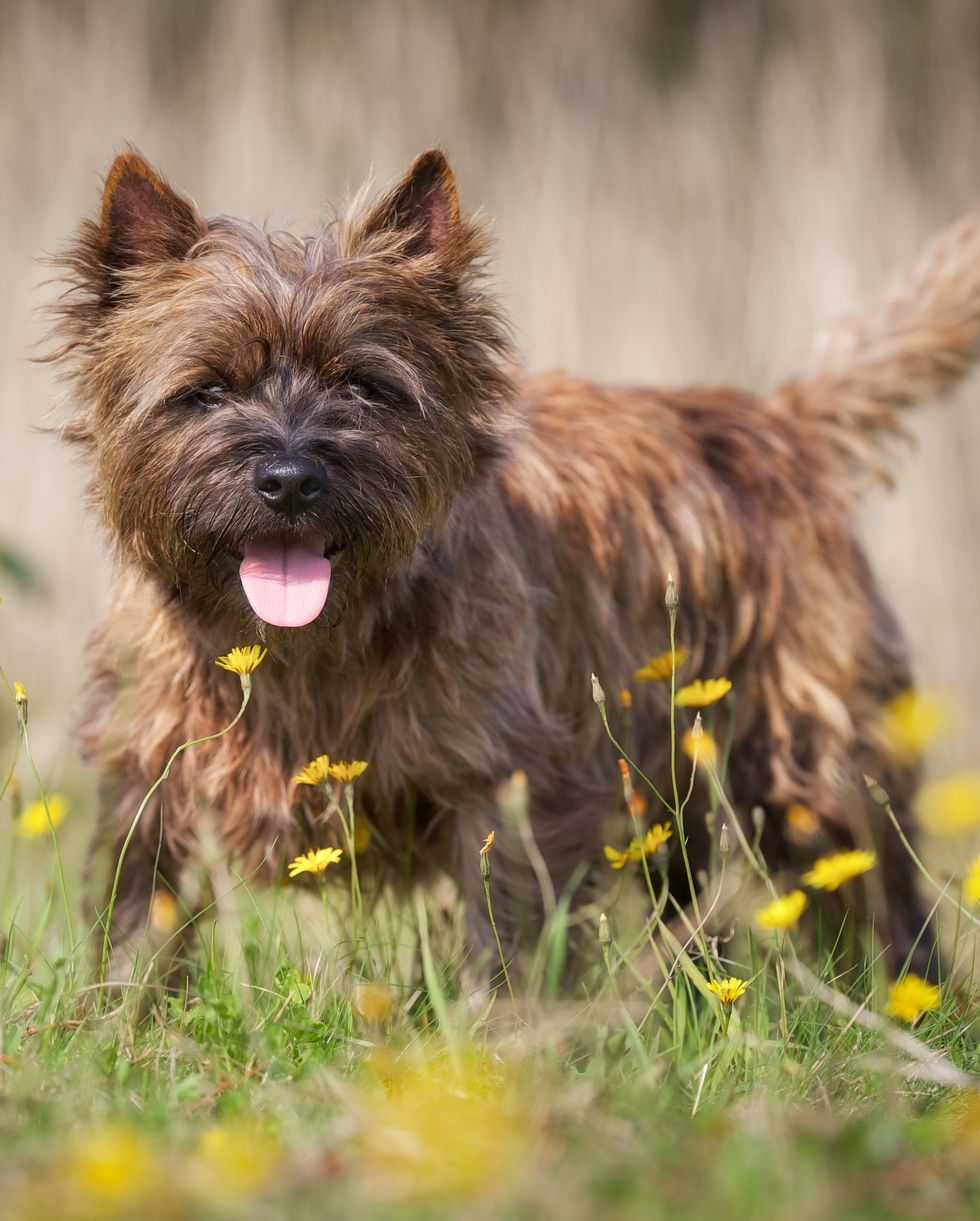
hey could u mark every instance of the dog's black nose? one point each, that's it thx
(289, 485)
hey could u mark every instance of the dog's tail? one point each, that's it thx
(913, 345)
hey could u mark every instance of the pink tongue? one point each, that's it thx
(286, 585)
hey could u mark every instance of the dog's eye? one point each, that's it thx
(206, 398)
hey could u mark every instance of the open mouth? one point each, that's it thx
(286, 582)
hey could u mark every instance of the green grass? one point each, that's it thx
(331, 1055)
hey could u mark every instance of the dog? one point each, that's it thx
(324, 444)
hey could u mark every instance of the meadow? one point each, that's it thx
(682, 192)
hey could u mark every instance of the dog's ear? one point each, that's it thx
(143, 219)
(423, 204)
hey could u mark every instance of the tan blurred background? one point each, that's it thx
(682, 191)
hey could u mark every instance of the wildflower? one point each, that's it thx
(704, 749)
(34, 821)
(801, 820)
(598, 695)
(374, 1002)
(700, 694)
(109, 1168)
(971, 884)
(625, 699)
(234, 1160)
(315, 861)
(783, 912)
(950, 807)
(637, 804)
(317, 772)
(20, 693)
(655, 838)
(671, 596)
(661, 667)
(485, 857)
(728, 990)
(913, 720)
(347, 773)
(488, 843)
(163, 913)
(832, 871)
(241, 660)
(910, 997)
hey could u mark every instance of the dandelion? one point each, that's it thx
(315, 861)
(783, 912)
(700, 694)
(910, 997)
(802, 821)
(347, 773)
(913, 720)
(971, 884)
(830, 872)
(374, 1002)
(728, 990)
(241, 660)
(952, 806)
(316, 772)
(34, 820)
(637, 849)
(662, 666)
(704, 749)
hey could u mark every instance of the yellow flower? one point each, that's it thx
(832, 871)
(315, 861)
(163, 913)
(913, 720)
(910, 997)
(801, 820)
(488, 843)
(317, 772)
(374, 1002)
(700, 694)
(704, 748)
(728, 990)
(659, 668)
(655, 838)
(950, 807)
(234, 1160)
(347, 773)
(241, 660)
(971, 884)
(783, 912)
(20, 693)
(33, 821)
(626, 699)
(109, 1168)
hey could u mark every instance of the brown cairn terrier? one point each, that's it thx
(320, 443)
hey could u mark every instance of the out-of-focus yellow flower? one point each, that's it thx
(830, 872)
(234, 1160)
(241, 660)
(33, 820)
(971, 883)
(108, 1169)
(315, 861)
(362, 835)
(374, 1002)
(705, 748)
(488, 843)
(952, 806)
(783, 912)
(801, 820)
(317, 772)
(655, 838)
(449, 1132)
(659, 668)
(626, 699)
(910, 997)
(347, 773)
(20, 693)
(701, 693)
(163, 913)
(728, 990)
(913, 720)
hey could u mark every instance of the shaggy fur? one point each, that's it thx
(494, 539)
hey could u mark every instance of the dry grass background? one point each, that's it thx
(682, 191)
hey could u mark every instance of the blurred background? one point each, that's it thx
(683, 191)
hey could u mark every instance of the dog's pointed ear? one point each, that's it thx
(143, 219)
(424, 204)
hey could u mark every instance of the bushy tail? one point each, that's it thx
(913, 345)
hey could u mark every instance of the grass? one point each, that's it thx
(335, 1052)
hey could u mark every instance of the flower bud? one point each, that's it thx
(758, 819)
(598, 695)
(724, 840)
(20, 696)
(671, 597)
(604, 935)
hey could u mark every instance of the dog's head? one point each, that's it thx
(275, 423)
